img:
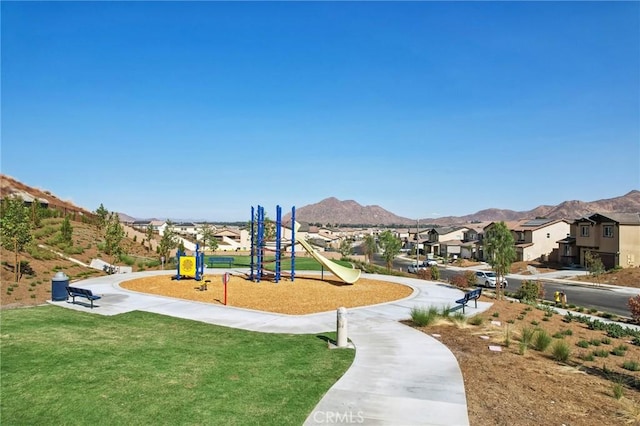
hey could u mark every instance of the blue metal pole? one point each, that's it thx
(278, 238)
(293, 243)
(253, 241)
(260, 241)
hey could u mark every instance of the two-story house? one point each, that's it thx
(536, 239)
(445, 241)
(615, 237)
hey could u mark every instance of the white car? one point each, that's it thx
(414, 268)
(430, 262)
(488, 279)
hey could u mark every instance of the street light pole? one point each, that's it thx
(417, 240)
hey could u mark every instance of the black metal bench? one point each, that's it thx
(219, 260)
(470, 295)
(82, 292)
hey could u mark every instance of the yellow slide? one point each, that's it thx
(348, 275)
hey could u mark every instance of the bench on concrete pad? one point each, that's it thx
(219, 260)
(82, 292)
(468, 296)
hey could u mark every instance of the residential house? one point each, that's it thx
(536, 239)
(233, 239)
(472, 241)
(444, 241)
(615, 237)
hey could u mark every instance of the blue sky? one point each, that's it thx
(202, 109)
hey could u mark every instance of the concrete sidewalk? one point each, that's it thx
(400, 376)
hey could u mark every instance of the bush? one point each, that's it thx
(541, 340)
(561, 351)
(587, 357)
(476, 320)
(631, 365)
(424, 274)
(530, 291)
(435, 273)
(526, 335)
(634, 307)
(424, 316)
(583, 344)
(459, 280)
(620, 350)
(602, 353)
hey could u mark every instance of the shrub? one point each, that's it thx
(435, 273)
(534, 322)
(526, 335)
(587, 357)
(459, 280)
(595, 342)
(634, 307)
(476, 320)
(530, 291)
(618, 390)
(583, 344)
(424, 274)
(444, 311)
(541, 340)
(496, 314)
(631, 365)
(558, 335)
(602, 353)
(619, 350)
(561, 351)
(606, 340)
(424, 316)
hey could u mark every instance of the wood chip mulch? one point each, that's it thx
(305, 295)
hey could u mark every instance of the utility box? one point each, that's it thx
(59, 284)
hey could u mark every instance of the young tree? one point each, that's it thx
(66, 231)
(168, 241)
(370, 247)
(346, 248)
(36, 214)
(501, 252)
(114, 233)
(207, 235)
(103, 216)
(149, 235)
(594, 265)
(391, 246)
(15, 228)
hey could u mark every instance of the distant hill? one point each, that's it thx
(628, 203)
(332, 211)
(335, 212)
(10, 186)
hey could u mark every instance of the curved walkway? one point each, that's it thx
(400, 376)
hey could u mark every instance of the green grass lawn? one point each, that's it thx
(61, 366)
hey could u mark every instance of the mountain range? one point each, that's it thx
(332, 211)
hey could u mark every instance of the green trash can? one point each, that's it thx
(59, 284)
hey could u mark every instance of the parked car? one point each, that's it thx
(414, 268)
(488, 279)
(430, 262)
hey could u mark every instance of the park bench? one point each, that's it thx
(219, 260)
(470, 295)
(82, 292)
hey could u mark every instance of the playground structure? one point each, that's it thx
(259, 246)
(190, 266)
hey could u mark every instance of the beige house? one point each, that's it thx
(443, 241)
(615, 237)
(536, 239)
